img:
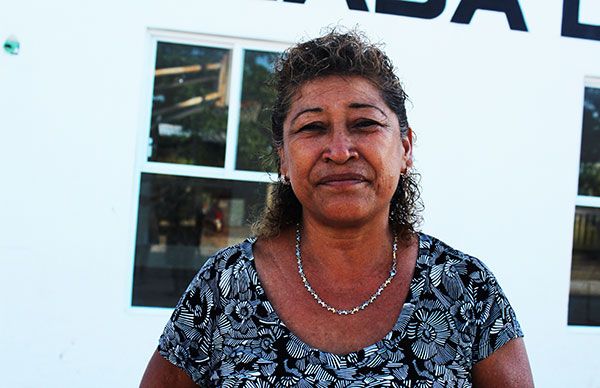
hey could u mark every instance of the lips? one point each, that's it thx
(342, 179)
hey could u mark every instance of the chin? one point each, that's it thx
(345, 210)
(345, 216)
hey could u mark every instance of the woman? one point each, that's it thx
(338, 289)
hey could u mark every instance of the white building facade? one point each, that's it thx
(132, 138)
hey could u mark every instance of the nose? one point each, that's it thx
(340, 147)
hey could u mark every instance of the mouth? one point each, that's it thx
(347, 179)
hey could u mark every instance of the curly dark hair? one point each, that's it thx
(344, 54)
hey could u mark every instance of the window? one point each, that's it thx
(205, 146)
(584, 297)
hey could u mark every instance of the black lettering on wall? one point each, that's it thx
(357, 5)
(427, 10)
(571, 26)
(466, 9)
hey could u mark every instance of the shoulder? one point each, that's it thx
(214, 281)
(471, 292)
(230, 255)
(187, 340)
(455, 278)
(224, 260)
(434, 253)
(230, 274)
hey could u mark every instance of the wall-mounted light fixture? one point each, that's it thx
(12, 45)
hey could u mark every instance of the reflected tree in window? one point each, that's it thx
(254, 139)
(189, 107)
(589, 167)
(584, 295)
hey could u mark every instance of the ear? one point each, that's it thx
(283, 167)
(407, 145)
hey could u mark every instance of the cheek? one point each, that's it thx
(301, 158)
(388, 175)
(392, 183)
(393, 168)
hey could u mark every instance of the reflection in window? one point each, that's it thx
(182, 221)
(584, 295)
(189, 107)
(254, 140)
(589, 166)
(584, 298)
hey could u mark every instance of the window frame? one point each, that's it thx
(582, 201)
(237, 47)
(587, 200)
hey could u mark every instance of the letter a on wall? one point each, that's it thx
(466, 9)
(427, 10)
(357, 5)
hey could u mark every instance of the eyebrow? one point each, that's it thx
(358, 105)
(309, 110)
(353, 105)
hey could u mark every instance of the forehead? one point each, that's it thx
(333, 91)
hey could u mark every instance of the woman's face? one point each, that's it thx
(342, 151)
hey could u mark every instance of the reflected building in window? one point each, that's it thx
(182, 221)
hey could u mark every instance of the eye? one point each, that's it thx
(367, 124)
(312, 127)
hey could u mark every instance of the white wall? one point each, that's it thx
(497, 113)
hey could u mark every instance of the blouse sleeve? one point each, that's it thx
(186, 341)
(496, 322)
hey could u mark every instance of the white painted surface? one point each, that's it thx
(497, 113)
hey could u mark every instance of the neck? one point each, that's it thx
(347, 252)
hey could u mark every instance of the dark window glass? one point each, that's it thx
(254, 139)
(584, 298)
(182, 221)
(189, 105)
(589, 167)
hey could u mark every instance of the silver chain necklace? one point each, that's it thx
(361, 306)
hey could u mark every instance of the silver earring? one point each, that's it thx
(284, 180)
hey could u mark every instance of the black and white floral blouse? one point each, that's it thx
(225, 332)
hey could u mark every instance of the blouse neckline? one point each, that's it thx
(398, 328)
